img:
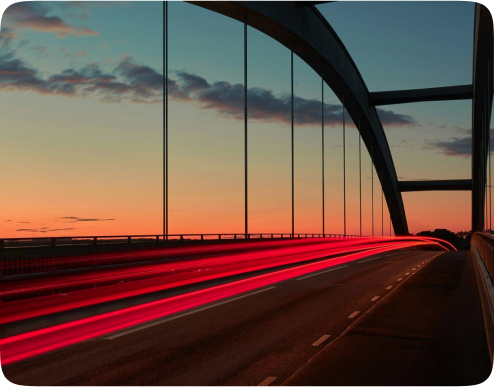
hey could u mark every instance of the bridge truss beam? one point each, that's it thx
(449, 93)
(435, 185)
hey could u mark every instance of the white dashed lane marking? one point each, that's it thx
(158, 322)
(320, 340)
(375, 298)
(354, 314)
(389, 287)
(267, 381)
(321, 272)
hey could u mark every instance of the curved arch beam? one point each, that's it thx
(315, 42)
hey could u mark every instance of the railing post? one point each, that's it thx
(129, 240)
(271, 236)
(181, 237)
(219, 236)
(202, 237)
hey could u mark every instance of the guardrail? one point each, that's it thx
(43, 255)
(483, 243)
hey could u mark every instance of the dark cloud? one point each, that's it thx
(36, 16)
(453, 147)
(16, 75)
(390, 118)
(73, 219)
(227, 100)
(130, 81)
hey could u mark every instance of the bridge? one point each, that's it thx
(249, 307)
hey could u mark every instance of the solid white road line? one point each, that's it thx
(354, 314)
(321, 340)
(267, 381)
(367, 260)
(389, 287)
(321, 272)
(141, 327)
(375, 298)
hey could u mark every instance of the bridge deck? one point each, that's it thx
(422, 324)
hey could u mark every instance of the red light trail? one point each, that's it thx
(34, 343)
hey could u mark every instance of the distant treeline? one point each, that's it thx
(461, 240)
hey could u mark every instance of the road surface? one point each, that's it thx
(287, 331)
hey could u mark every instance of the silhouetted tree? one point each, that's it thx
(461, 239)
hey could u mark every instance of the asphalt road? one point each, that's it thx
(265, 336)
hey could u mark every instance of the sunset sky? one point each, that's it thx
(81, 119)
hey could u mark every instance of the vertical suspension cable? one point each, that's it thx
(322, 140)
(344, 171)
(246, 209)
(489, 136)
(360, 176)
(293, 164)
(484, 173)
(165, 122)
(382, 205)
(372, 190)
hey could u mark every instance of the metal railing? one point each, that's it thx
(44, 255)
(483, 244)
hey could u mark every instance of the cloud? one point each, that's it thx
(44, 229)
(7, 36)
(134, 82)
(16, 75)
(41, 50)
(227, 100)
(78, 54)
(73, 219)
(128, 81)
(455, 146)
(36, 16)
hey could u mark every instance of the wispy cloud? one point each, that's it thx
(37, 16)
(73, 219)
(44, 230)
(78, 54)
(7, 36)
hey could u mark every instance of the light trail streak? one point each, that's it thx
(35, 343)
(21, 310)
